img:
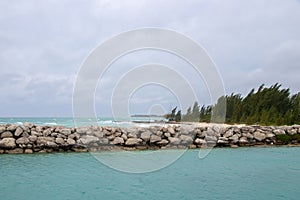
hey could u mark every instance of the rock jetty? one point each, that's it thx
(31, 138)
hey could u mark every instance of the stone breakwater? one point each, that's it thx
(31, 138)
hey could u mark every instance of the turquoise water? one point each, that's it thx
(65, 121)
(69, 121)
(243, 173)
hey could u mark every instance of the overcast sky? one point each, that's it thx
(44, 43)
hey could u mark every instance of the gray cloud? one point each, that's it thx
(43, 43)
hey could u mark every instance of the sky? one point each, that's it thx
(43, 45)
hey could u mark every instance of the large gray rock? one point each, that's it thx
(12, 128)
(228, 133)
(292, 131)
(155, 138)
(2, 129)
(222, 141)
(65, 131)
(279, 131)
(46, 132)
(234, 138)
(270, 135)
(211, 138)
(163, 142)
(71, 141)
(82, 130)
(87, 139)
(186, 139)
(23, 140)
(43, 140)
(118, 140)
(60, 141)
(32, 138)
(259, 136)
(6, 134)
(174, 140)
(243, 140)
(18, 131)
(133, 141)
(51, 144)
(146, 135)
(199, 141)
(171, 130)
(8, 143)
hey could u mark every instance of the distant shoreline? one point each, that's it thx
(31, 138)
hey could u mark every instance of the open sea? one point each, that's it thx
(226, 173)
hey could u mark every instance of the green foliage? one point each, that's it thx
(285, 139)
(266, 106)
(173, 116)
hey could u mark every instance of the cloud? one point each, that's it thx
(43, 44)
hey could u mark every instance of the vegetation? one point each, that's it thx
(266, 106)
(287, 139)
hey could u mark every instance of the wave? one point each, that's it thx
(50, 123)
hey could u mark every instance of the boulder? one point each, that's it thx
(249, 136)
(228, 133)
(199, 141)
(292, 131)
(163, 142)
(132, 135)
(174, 140)
(42, 141)
(51, 144)
(2, 129)
(222, 141)
(259, 136)
(234, 138)
(118, 140)
(15, 151)
(171, 130)
(186, 139)
(243, 140)
(270, 135)
(279, 132)
(71, 141)
(87, 139)
(18, 131)
(124, 136)
(23, 140)
(211, 138)
(146, 135)
(12, 127)
(6, 134)
(46, 132)
(28, 151)
(82, 130)
(132, 141)
(155, 138)
(28, 125)
(65, 131)
(32, 138)
(60, 141)
(8, 143)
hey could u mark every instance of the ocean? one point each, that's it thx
(65, 121)
(70, 122)
(226, 173)
(243, 173)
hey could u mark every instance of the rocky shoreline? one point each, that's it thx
(31, 138)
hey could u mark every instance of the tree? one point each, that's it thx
(178, 116)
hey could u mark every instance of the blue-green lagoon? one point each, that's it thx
(243, 173)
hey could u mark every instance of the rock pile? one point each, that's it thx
(31, 138)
